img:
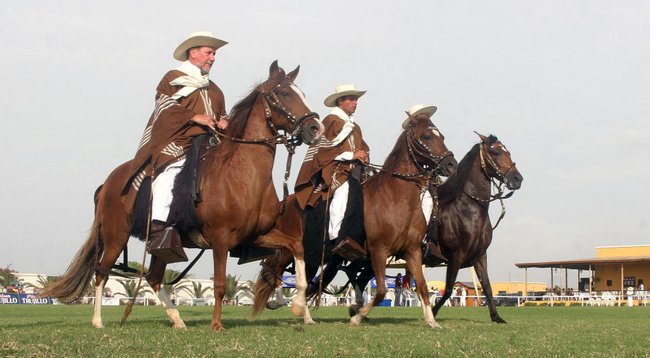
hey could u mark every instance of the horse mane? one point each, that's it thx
(239, 115)
(393, 159)
(453, 187)
(240, 112)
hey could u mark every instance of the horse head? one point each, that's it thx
(427, 146)
(286, 107)
(497, 163)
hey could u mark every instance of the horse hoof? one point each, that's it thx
(356, 320)
(218, 328)
(353, 310)
(310, 322)
(273, 305)
(499, 320)
(98, 325)
(435, 325)
(179, 326)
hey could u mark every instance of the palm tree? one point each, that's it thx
(130, 285)
(42, 282)
(169, 276)
(197, 290)
(232, 287)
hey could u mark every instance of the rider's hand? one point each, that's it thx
(360, 155)
(222, 123)
(204, 119)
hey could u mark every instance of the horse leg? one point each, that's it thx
(114, 234)
(414, 264)
(452, 272)
(219, 257)
(155, 279)
(97, 310)
(360, 284)
(378, 259)
(481, 271)
(276, 239)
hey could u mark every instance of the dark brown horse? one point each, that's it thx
(239, 203)
(465, 228)
(394, 221)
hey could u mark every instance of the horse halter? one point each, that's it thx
(271, 101)
(418, 149)
(486, 158)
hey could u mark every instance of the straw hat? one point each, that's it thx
(340, 91)
(201, 38)
(419, 109)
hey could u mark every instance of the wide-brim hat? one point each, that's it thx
(417, 109)
(340, 91)
(201, 38)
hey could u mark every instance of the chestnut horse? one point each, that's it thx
(393, 217)
(465, 228)
(239, 203)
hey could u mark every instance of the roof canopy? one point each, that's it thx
(586, 264)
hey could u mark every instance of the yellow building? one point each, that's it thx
(615, 268)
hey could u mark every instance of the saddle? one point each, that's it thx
(186, 194)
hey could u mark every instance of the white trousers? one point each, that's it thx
(338, 203)
(162, 191)
(426, 201)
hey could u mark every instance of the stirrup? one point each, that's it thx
(349, 249)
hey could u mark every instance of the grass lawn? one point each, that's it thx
(64, 331)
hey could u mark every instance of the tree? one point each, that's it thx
(42, 282)
(8, 276)
(232, 287)
(197, 290)
(130, 285)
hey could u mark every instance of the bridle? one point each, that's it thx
(271, 102)
(427, 173)
(486, 159)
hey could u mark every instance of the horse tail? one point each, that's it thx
(268, 279)
(73, 283)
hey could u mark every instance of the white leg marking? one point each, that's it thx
(170, 309)
(97, 311)
(299, 300)
(428, 314)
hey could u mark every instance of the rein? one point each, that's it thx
(487, 159)
(290, 141)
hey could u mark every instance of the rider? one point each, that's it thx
(325, 172)
(187, 105)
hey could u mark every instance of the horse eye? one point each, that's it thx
(426, 137)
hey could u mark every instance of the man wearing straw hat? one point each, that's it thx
(325, 172)
(187, 105)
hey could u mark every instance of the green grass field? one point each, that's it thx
(64, 331)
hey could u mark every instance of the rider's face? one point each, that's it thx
(202, 57)
(348, 104)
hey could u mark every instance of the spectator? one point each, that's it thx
(398, 290)
(463, 296)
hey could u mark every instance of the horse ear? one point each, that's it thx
(293, 74)
(483, 138)
(274, 68)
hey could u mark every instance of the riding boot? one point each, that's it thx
(349, 249)
(165, 243)
(432, 254)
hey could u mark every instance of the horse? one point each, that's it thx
(465, 229)
(393, 219)
(239, 203)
